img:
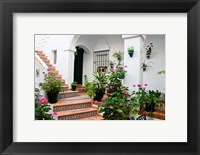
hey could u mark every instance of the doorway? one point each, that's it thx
(78, 65)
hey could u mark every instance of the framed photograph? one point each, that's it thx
(99, 77)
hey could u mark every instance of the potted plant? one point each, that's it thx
(42, 108)
(99, 84)
(75, 53)
(73, 86)
(153, 99)
(149, 50)
(131, 51)
(118, 55)
(111, 63)
(52, 86)
(145, 66)
(89, 87)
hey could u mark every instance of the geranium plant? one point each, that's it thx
(117, 105)
(146, 99)
(42, 109)
(52, 86)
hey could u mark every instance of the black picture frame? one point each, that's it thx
(8, 7)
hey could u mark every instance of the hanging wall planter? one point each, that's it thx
(131, 51)
(149, 50)
(145, 65)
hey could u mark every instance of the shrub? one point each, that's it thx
(42, 109)
(118, 104)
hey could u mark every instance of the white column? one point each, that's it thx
(134, 72)
(70, 66)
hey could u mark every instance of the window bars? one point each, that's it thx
(100, 60)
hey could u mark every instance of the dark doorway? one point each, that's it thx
(78, 65)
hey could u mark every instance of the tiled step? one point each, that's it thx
(70, 105)
(49, 65)
(56, 76)
(67, 94)
(98, 117)
(75, 98)
(53, 72)
(65, 87)
(80, 89)
(43, 57)
(38, 51)
(77, 113)
(52, 68)
(40, 54)
(47, 61)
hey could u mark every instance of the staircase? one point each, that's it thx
(71, 105)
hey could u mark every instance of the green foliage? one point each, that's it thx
(111, 63)
(74, 83)
(89, 87)
(118, 104)
(131, 48)
(118, 55)
(41, 110)
(75, 53)
(100, 79)
(149, 49)
(145, 98)
(161, 72)
(145, 65)
(51, 83)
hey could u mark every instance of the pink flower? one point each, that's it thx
(101, 69)
(111, 87)
(113, 79)
(125, 66)
(55, 113)
(145, 84)
(95, 102)
(128, 99)
(121, 104)
(111, 107)
(124, 92)
(134, 85)
(116, 67)
(43, 100)
(139, 85)
(49, 69)
(103, 99)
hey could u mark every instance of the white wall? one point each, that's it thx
(97, 42)
(90, 43)
(61, 43)
(40, 78)
(156, 82)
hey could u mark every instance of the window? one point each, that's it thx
(54, 56)
(101, 59)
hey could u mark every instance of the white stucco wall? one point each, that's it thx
(95, 43)
(61, 43)
(156, 82)
(39, 78)
(65, 44)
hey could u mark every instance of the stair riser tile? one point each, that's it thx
(78, 116)
(61, 96)
(71, 107)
